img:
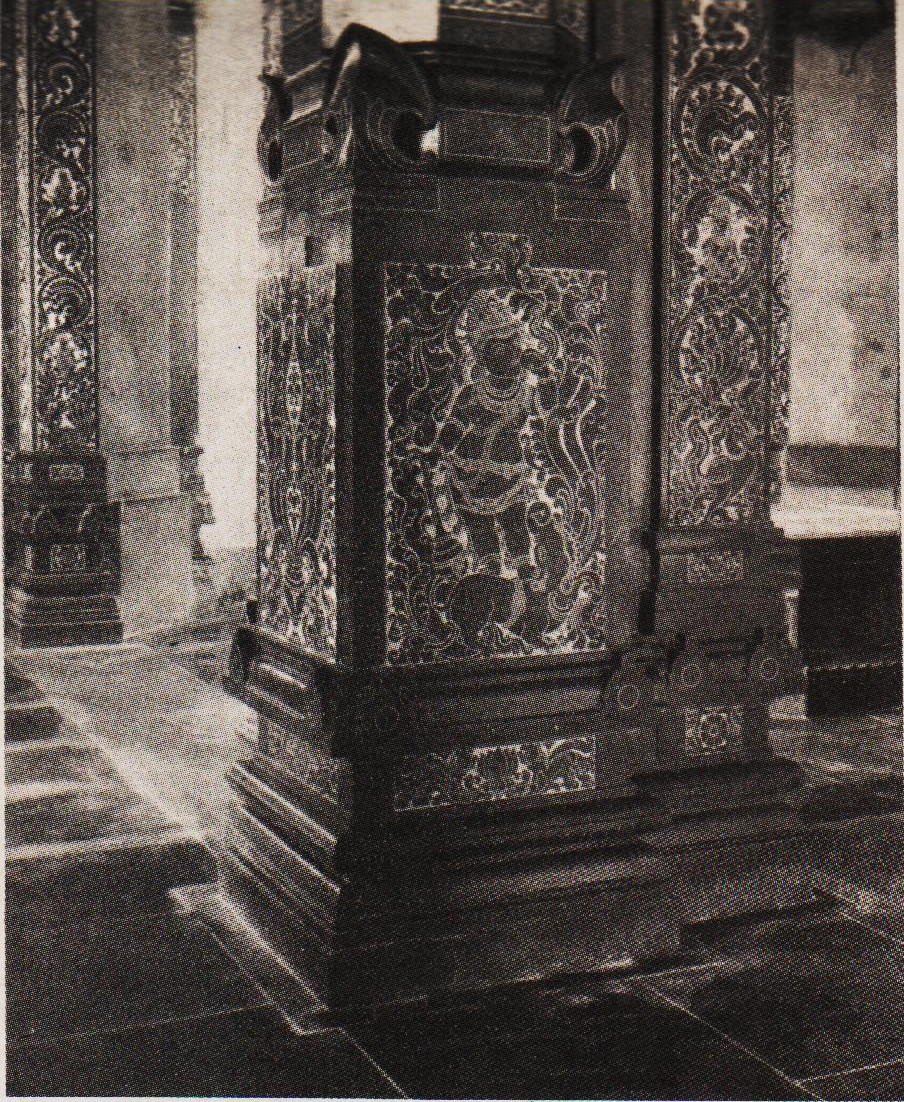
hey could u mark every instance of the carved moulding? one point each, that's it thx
(379, 104)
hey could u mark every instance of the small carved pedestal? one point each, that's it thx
(62, 551)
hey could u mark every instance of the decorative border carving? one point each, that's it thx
(24, 309)
(68, 558)
(715, 567)
(725, 329)
(61, 153)
(182, 111)
(65, 472)
(485, 774)
(782, 213)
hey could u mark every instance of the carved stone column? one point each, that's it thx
(504, 734)
(62, 536)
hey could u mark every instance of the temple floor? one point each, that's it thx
(132, 995)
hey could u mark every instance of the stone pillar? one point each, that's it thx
(135, 172)
(183, 298)
(505, 732)
(62, 534)
(93, 311)
(719, 601)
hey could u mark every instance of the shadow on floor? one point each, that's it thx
(148, 1003)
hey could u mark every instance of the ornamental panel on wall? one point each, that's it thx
(296, 459)
(726, 242)
(495, 457)
(489, 774)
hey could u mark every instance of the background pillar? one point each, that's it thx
(62, 535)
(137, 313)
(183, 297)
(99, 319)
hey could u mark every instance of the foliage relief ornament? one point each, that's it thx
(496, 392)
(485, 774)
(296, 459)
(727, 358)
(62, 280)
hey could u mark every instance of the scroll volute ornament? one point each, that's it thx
(376, 100)
(270, 134)
(592, 126)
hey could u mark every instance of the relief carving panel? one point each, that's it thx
(715, 567)
(713, 731)
(492, 773)
(495, 457)
(62, 217)
(726, 331)
(296, 459)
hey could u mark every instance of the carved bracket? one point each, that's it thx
(592, 126)
(377, 100)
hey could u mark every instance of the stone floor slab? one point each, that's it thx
(586, 1039)
(884, 1083)
(812, 999)
(251, 1053)
(86, 977)
(172, 735)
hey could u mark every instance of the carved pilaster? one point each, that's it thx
(62, 560)
(722, 568)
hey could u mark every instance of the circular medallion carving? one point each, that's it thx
(723, 235)
(628, 697)
(719, 126)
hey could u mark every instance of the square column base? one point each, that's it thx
(373, 915)
(62, 552)
(46, 621)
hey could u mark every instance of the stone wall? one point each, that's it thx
(844, 350)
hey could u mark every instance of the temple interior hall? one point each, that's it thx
(452, 549)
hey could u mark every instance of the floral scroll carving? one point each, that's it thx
(485, 774)
(61, 174)
(727, 321)
(296, 459)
